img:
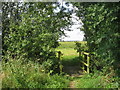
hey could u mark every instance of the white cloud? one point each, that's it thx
(75, 34)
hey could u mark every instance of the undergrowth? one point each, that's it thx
(29, 75)
(96, 81)
(20, 74)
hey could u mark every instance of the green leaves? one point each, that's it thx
(101, 29)
(81, 47)
(34, 36)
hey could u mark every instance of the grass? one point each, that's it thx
(88, 82)
(95, 81)
(70, 55)
(67, 48)
(68, 44)
(17, 74)
(68, 52)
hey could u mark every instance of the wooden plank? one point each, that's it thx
(88, 62)
(85, 53)
(84, 71)
(85, 63)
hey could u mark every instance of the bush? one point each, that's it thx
(51, 65)
(29, 75)
(81, 47)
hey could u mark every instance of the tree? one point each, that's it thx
(35, 33)
(101, 27)
(10, 11)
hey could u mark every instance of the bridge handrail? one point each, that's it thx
(88, 61)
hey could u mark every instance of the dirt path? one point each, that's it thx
(73, 71)
(72, 84)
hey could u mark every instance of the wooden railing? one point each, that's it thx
(85, 61)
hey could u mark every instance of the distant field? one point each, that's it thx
(67, 48)
(68, 44)
(69, 53)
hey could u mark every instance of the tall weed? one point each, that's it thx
(29, 75)
(96, 81)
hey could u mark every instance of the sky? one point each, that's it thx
(75, 34)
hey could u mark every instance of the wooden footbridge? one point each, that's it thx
(85, 61)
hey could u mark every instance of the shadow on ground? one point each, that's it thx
(72, 66)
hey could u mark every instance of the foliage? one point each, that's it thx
(81, 47)
(31, 31)
(51, 66)
(10, 10)
(18, 74)
(35, 33)
(101, 27)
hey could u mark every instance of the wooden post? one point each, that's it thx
(59, 54)
(88, 62)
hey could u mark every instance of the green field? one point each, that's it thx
(67, 48)
(70, 55)
(69, 44)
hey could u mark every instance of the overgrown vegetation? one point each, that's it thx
(30, 34)
(96, 81)
(30, 41)
(18, 74)
(35, 33)
(93, 80)
(101, 27)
